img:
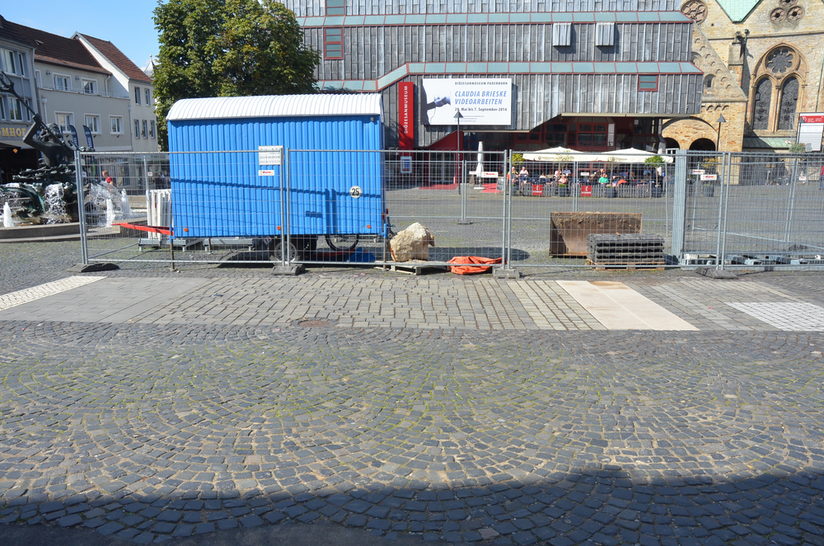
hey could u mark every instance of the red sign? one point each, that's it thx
(406, 115)
(586, 191)
(815, 118)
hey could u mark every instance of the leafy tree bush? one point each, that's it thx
(212, 48)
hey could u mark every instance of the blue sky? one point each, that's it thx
(127, 24)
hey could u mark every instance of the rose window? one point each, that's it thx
(695, 10)
(780, 60)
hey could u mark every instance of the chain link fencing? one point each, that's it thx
(522, 210)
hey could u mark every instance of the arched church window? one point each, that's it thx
(761, 110)
(789, 101)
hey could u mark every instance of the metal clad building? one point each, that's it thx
(230, 187)
(603, 58)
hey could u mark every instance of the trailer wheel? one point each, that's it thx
(342, 242)
(291, 251)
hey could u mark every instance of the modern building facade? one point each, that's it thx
(521, 74)
(764, 68)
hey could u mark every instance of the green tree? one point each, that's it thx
(212, 48)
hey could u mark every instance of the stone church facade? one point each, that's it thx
(763, 63)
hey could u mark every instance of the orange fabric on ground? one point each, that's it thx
(471, 269)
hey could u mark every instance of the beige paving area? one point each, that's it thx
(619, 307)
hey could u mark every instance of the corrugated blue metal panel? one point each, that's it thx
(223, 194)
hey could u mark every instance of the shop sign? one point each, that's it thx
(12, 132)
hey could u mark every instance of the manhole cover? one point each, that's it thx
(316, 323)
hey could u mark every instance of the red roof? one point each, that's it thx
(51, 48)
(110, 51)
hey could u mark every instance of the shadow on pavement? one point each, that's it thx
(602, 505)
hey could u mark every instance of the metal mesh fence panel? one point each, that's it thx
(176, 208)
(560, 202)
(445, 192)
(333, 207)
(752, 209)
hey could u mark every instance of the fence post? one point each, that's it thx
(723, 207)
(791, 201)
(463, 192)
(679, 205)
(286, 266)
(506, 271)
(284, 175)
(81, 207)
(719, 262)
(574, 186)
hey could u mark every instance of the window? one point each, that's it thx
(17, 112)
(333, 43)
(151, 129)
(11, 62)
(761, 109)
(89, 87)
(789, 101)
(136, 129)
(92, 121)
(37, 79)
(145, 132)
(2, 107)
(116, 125)
(708, 81)
(335, 7)
(137, 95)
(647, 82)
(779, 81)
(604, 34)
(148, 96)
(562, 34)
(62, 82)
(63, 120)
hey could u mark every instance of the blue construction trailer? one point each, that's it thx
(260, 167)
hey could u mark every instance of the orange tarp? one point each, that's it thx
(470, 269)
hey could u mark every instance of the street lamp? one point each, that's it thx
(719, 121)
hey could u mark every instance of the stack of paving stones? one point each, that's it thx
(625, 249)
(702, 438)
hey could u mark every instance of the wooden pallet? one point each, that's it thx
(654, 265)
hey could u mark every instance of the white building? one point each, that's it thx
(132, 82)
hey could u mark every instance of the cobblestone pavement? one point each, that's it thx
(174, 415)
(453, 435)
